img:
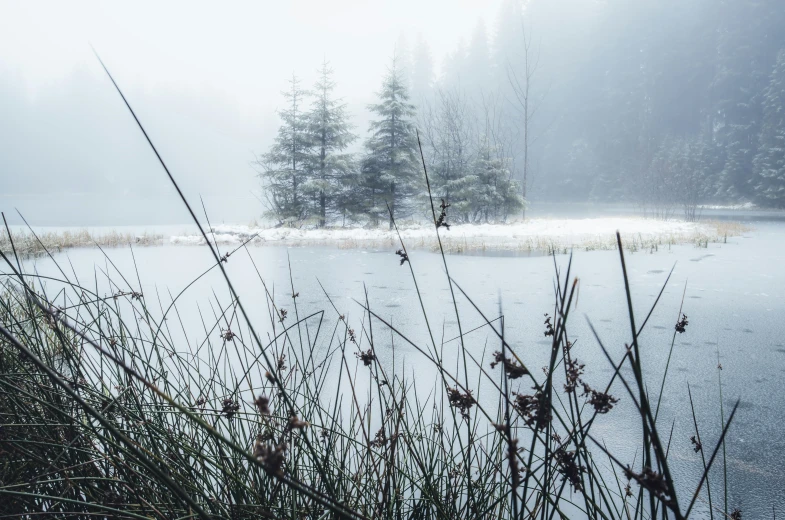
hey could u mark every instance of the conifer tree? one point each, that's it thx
(769, 163)
(330, 134)
(391, 170)
(487, 192)
(285, 167)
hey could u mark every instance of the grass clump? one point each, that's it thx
(28, 243)
(109, 411)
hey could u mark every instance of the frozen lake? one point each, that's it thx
(735, 301)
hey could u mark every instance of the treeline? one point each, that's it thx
(660, 103)
(309, 178)
(664, 103)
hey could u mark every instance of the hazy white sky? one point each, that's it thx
(205, 77)
(243, 50)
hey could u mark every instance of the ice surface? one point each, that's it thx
(733, 293)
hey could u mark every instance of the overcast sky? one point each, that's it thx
(205, 77)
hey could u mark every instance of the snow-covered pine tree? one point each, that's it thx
(285, 167)
(330, 131)
(769, 163)
(488, 192)
(390, 173)
(740, 147)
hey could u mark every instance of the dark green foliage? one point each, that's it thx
(307, 176)
(391, 173)
(286, 167)
(332, 169)
(487, 193)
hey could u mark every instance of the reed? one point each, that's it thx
(110, 409)
(30, 243)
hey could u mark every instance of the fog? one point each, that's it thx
(637, 145)
(665, 106)
(205, 81)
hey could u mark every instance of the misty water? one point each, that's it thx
(734, 300)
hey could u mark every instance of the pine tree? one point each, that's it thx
(285, 167)
(329, 135)
(487, 192)
(769, 163)
(390, 170)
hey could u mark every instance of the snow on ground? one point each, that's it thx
(531, 235)
(730, 207)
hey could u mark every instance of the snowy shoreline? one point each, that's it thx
(531, 235)
(538, 235)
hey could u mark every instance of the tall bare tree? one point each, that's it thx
(521, 86)
(449, 134)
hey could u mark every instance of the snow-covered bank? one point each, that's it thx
(532, 235)
(730, 207)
